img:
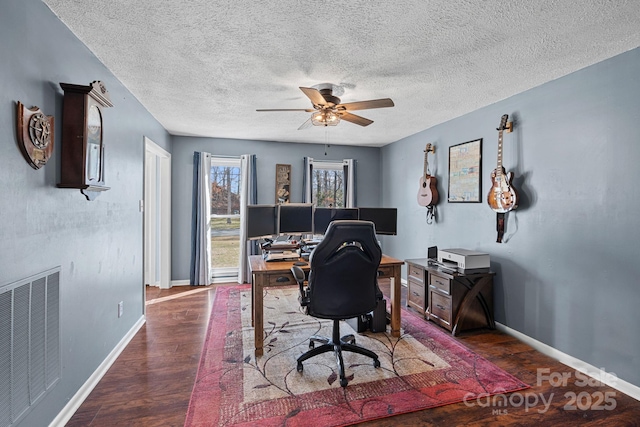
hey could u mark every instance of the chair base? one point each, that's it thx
(337, 345)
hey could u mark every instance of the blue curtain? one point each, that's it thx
(200, 271)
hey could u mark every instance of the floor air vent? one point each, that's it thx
(29, 343)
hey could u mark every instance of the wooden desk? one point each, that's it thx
(278, 273)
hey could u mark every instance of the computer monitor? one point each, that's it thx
(323, 216)
(385, 219)
(295, 218)
(262, 221)
(344, 213)
(321, 220)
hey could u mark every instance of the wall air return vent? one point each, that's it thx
(29, 343)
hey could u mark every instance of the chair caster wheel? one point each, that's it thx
(300, 368)
(311, 345)
(343, 382)
(376, 363)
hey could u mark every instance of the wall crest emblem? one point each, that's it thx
(35, 135)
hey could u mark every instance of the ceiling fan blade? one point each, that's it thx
(305, 124)
(354, 119)
(314, 95)
(366, 105)
(308, 110)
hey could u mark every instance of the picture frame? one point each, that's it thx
(283, 184)
(465, 172)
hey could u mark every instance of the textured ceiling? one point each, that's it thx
(203, 67)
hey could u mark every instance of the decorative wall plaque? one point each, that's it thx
(283, 183)
(35, 135)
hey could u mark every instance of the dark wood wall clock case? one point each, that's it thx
(82, 153)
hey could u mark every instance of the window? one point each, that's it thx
(225, 216)
(327, 185)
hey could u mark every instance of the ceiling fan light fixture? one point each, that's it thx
(325, 118)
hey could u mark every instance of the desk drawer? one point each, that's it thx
(281, 279)
(441, 283)
(416, 273)
(440, 306)
(415, 295)
(385, 271)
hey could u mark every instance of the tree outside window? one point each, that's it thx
(327, 186)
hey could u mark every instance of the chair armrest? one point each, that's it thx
(299, 276)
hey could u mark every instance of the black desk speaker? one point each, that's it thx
(432, 252)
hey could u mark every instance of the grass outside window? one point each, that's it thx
(225, 242)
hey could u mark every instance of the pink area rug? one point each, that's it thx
(423, 368)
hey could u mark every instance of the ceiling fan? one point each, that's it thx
(328, 111)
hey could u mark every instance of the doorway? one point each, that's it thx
(225, 180)
(157, 215)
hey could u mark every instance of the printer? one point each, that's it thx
(464, 260)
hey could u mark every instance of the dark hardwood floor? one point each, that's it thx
(150, 383)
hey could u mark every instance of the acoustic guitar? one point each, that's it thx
(427, 193)
(502, 197)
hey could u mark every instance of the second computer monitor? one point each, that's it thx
(385, 219)
(295, 218)
(323, 216)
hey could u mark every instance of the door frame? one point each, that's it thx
(157, 215)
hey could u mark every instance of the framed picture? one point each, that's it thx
(465, 172)
(283, 183)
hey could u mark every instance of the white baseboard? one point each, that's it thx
(72, 406)
(233, 279)
(180, 283)
(601, 375)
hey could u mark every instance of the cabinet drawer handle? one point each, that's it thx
(282, 279)
(415, 293)
(441, 307)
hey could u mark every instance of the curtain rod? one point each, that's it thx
(219, 155)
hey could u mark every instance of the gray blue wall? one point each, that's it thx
(98, 244)
(568, 274)
(268, 154)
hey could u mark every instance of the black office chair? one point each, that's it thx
(342, 285)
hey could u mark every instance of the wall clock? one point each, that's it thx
(82, 153)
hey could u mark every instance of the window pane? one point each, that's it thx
(225, 217)
(225, 241)
(328, 188)
(225, 190)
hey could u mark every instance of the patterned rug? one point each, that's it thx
(423, 368)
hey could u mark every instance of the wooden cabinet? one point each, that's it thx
(455, 301)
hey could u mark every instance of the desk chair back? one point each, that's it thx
(343, 271)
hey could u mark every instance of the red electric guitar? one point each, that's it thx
(502, 197)
(427, 193)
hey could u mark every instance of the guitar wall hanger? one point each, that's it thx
(508, 127)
